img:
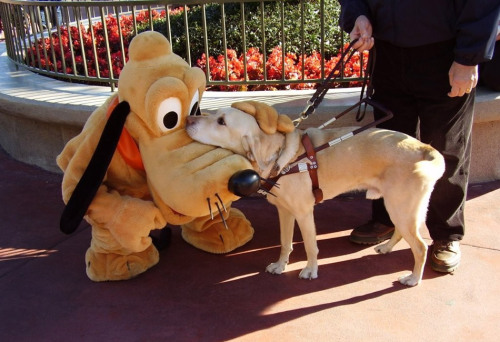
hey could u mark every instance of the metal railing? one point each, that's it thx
(80, 40)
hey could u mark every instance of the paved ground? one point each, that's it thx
(194, 296)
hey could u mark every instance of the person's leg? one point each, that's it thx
(446, 124)
(388, 78)
(450, 133)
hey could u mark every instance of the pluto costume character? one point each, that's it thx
(156, 175)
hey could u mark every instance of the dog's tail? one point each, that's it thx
(431, 167)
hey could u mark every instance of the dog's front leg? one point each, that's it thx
(286, 235)
(308, 230)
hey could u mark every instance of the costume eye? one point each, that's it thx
(169, 113)
(221, 121)
(194, 107)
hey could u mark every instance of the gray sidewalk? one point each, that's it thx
(195, 296)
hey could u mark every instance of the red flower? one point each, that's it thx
(278, 66)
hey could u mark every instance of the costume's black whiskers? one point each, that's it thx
(268, 181)
(210, 208)
(221, 215)
(222, 203)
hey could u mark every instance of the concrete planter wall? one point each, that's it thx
(39, 115)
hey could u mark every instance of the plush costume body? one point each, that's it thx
(158, 174)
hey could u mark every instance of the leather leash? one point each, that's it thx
(323, 88)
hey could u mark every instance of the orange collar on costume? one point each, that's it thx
(126, 145)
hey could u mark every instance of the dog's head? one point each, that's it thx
(251, 129)
(227, 128)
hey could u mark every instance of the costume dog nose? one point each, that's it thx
(244, 183)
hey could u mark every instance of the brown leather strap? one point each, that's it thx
(312, 167)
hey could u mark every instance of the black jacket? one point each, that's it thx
(411, 23)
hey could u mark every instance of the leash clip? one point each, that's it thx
(309, 109)
(301, 118)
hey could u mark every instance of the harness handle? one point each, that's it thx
(323, 88)
(360, 115)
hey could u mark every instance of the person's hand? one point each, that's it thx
(463, 79)
(363, 31)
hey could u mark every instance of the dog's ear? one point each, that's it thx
(266, 116)
(249, 145)
(254, 151)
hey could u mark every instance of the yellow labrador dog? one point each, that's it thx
(387, 164)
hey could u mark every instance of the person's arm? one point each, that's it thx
(476, 31)
(363, 32)
(350, 10)
(354, 19)
(476, 35)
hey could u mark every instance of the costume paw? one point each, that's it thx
(214, 237)
(112, 266)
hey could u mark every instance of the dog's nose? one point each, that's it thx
(190, 120)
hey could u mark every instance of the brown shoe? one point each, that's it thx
(445, 256)
(371, 233)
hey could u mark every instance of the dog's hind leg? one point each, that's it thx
(308, 230)
(418, 247)
(389, 245)
(408, 215)
(287, 222)
(412, 235)
(419, 250)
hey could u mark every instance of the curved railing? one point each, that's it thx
(286, 43)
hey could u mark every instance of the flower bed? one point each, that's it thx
(274, 69)
(88, 46)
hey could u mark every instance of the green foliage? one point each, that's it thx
(275, 15)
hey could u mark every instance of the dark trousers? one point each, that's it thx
(413, 83)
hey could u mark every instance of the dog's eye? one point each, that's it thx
(221, 121)
(168, 114)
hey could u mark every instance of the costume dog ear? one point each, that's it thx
(267, 117)
(92, 178)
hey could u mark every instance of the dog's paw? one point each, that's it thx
(409, 280)
(309, 273)
(383, 249)
(276, 267)
(275, 170)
